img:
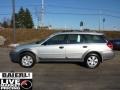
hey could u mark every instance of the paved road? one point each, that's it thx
(68, 76)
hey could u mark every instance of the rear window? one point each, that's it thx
(94, 39)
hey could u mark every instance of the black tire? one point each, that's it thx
(31, 61)
(92, 60)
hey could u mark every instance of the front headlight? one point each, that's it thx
(13, 47)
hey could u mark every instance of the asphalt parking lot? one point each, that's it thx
(68, 76)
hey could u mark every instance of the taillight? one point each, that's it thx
(110, 45)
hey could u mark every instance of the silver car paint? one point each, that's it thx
(69, 51)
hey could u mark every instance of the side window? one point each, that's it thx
(99, 39)
(87, 38)
(58, 39)
(74, 39)
(94, 39)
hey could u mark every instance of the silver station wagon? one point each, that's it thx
(90, 48)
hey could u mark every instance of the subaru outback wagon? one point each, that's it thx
(90, 48)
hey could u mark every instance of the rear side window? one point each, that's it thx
(74, 39)
(94, 39)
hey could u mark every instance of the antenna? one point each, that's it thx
(42, 14)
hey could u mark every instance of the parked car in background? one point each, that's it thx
(89, 47)
(116, 44)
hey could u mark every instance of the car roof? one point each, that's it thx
(78, 32)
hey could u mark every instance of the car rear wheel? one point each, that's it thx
(92, 61)
(27, 60)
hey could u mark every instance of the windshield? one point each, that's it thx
(38, 42)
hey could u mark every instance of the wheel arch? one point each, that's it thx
(93, 52)
(28, 51)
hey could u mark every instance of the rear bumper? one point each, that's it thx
(14, 57)
(108, 55)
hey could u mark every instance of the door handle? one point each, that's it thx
(61, 47)
(85, 46)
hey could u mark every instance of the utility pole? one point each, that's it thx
(42, 14)
(38, 18)
(14, 27)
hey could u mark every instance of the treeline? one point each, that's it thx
(23, 19)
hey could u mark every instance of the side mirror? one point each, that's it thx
(45, 43)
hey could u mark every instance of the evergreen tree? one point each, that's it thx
(5, 24)
(28, 19)
(21, 18)
(16, 21)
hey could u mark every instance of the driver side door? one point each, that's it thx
(53, 48)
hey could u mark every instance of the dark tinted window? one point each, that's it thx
(58, 39)
(73, 39)
(94, 39)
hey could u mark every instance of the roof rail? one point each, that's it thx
(78, 31)
(71, 31)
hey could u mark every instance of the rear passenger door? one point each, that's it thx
(75, 47)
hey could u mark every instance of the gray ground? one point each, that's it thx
(68, 76)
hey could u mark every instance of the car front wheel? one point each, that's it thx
(92, 61)
(27, 60)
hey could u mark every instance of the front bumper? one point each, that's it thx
(14, 57)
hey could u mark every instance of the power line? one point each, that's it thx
(69, 13)
(68, 7)
(78, 8)
(4, 14)
(65, 7)
(65, 13)
(87, 14)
